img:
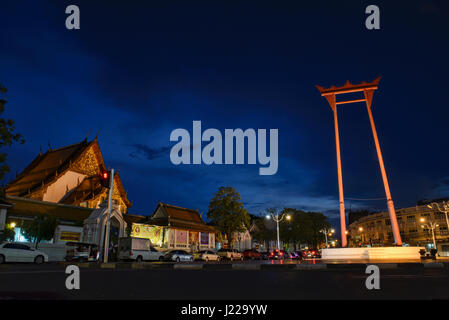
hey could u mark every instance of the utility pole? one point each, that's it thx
(108, 222)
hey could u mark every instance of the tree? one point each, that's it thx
(227, 213)
(303, 227)
(7, 135)
(261, 232)
(41, 228)
(318, 222)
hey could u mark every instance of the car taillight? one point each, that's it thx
(130, 253)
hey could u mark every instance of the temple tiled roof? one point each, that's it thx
(44, 168)
(179, 217)
(48, 167)
(31, 208)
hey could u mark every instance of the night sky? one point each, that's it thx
(137, 70)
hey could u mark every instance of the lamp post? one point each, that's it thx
(361, 236)
(444, 208)
(327, 231)
(278, 218)
(108, 219)
(430, 225)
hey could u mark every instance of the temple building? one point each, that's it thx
(65, 183)
(68, 175)
(173, 227)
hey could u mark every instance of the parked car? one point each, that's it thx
(20, 252)
(230, 254)
(206, 255)
(252, 254)
(138, 249)
(178, 256)
(81, 252)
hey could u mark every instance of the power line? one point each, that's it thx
(365, 199)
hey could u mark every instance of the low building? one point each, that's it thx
(173, 227)
(375, 229)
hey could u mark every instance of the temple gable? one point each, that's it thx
(68, 175)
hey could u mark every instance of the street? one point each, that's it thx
(22, 281)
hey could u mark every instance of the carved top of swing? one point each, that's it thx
(349, 87)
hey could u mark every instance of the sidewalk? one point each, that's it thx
(431, 264)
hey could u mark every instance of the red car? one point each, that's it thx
(276, 254)
(312, 253)
(252, 254)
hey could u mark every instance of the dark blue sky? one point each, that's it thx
(136, 71)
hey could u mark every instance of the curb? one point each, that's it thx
(188, 266)
(246, 266)
(217, 266)
(311, 266)
(436, 265)
(387, 265)
(351, 266)
(275, 267)
(237, 266)
(83, 265)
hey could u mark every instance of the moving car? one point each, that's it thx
(252, 254)
(297, 255)
(206, 255)
(20, 252)
(279, 254)
(312, 253)
(178, 255)
(230, 254)
(138, 249)
(81, 252)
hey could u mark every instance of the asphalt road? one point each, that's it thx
(48, 282)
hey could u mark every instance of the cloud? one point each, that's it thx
(149, 153)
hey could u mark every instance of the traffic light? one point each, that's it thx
(105, 175)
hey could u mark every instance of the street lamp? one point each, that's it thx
(361, 236)
(278, 218)
(444, 208)
(326, 232)
(430, 225)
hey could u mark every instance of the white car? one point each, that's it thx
(206, 255)
(138, 250)
(178, 255)
(230, 254)
(20, 252)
